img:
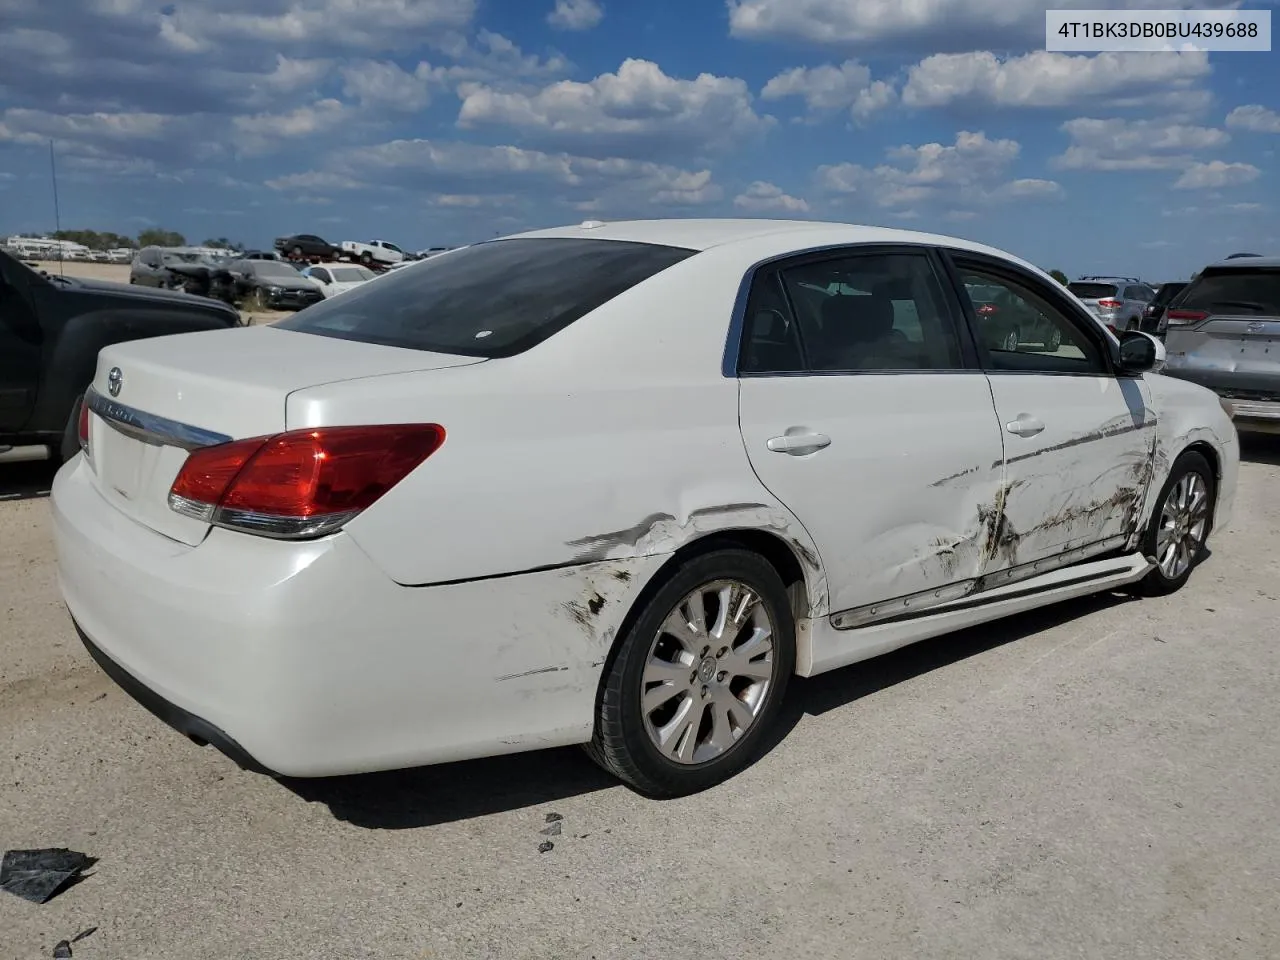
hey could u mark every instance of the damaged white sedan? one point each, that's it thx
(613, 485)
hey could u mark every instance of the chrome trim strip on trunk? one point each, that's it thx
(926, 601)
(148, 427)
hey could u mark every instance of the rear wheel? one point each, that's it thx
(1180, 525)
(366, 258)
(698, 677)
(1055, 340)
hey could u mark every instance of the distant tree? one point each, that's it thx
(93, 239)
(222, 243)
(155, 237)
(1059, 276)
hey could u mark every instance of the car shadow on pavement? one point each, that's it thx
(1260, 448)
(426, 796)
(26, 481)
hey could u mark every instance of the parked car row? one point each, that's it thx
(374, 254)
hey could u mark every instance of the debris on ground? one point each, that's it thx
(63, 950)
(551, 831)
(546, 846)
(40, 875)
(553, 817)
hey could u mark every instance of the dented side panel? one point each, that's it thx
(1083, 479)
(891, 501)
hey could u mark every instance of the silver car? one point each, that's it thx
(1224, 333)
(1119, 302)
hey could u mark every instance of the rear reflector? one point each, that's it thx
(301, 484)
(1182, 317)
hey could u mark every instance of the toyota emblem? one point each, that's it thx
(115, 380)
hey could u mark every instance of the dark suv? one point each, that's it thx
(306, 245)
(51, 329)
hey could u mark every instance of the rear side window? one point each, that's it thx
(493, 299)
(1247, 291)
(1092, 291)
(1168, 292)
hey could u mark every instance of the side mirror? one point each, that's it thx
(1140, 352)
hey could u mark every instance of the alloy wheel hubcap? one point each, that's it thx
(708, 672)
(1184, 521)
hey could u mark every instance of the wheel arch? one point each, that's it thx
(793, 562)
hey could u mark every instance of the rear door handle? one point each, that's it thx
(799, 444)
(1025, 426)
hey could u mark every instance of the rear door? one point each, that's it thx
(1078, 438)
(1224, 332)
(862, 409)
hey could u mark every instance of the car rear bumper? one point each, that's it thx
(1252, 409)
(304, 659)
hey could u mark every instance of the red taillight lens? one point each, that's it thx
(986, 310)
(1110, 304)
(82, 426)
(305, 483)
(1177, 317)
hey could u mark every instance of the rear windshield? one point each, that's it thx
(1093, 291)
(492, 299)
(1167, 292)
(351, 274)
(1239, 291)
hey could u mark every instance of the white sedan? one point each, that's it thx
(613, 485)
(336, 278)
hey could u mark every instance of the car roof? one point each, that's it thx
(1245, 263)
(790, 235)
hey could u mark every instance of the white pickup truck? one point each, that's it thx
(375, 251)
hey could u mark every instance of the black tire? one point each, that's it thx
(71, 434)
(1055, 340)
(621, 743)
(1157, 583)
(297, 252)
(1009, 343)
(366, 258)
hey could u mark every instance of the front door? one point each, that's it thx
(862, 410)
(20, 346)
(1078, 438)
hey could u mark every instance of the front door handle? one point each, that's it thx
(1025, 426)
(799, 444)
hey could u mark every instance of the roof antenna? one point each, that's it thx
(57, 215)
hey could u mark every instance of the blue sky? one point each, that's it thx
(437, 122)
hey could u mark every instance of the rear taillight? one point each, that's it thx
(987, 310)
(82, 426)
(1110, 304)
(301, 484)
(1178, 318)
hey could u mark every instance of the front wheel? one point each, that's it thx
(698, 678)
(1180, 525)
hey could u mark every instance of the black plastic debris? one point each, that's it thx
(551, 831)
(62, 951)
(546, 846)
(553, 817)
(40, 875)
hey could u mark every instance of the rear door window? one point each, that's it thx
(1246, 292)
(492, 299)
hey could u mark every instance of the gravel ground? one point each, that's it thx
(1095, 780)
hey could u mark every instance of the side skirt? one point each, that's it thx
(823, 646)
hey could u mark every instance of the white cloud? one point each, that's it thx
(362, 24)
(261, 133)
(764, 197)
(455, 168)
(922, 24)
(830, 88)
(639, 109)
(382, 83)
(873, 99)
(1254, 118)
(971, 170)
(1045, 79)
(1245, 207)
(576, 15)
(1217, 173)
(1117, 144)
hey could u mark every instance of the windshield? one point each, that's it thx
(173, 257)
(1249, 291)
(1092, 291)
(1167, 292)
(490, 300)
(351, 274)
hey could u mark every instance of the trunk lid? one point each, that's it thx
(173, 393)
(1226, 351)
